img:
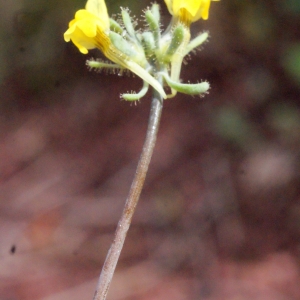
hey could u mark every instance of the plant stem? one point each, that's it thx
(132, 199)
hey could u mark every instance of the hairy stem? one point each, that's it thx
(132, 199)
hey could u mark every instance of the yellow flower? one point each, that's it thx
(91, 28)
(86, 32)
(188, 11)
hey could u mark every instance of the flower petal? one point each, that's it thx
(99, 9)
(189, 10)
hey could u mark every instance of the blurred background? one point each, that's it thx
(219, 217)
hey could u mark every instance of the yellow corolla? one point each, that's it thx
(188, 11)
(86, 32)
(91, 28)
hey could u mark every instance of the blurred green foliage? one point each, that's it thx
(284, 118)
(291, 61)
(257, 23)
(291, 6)
(231, 125)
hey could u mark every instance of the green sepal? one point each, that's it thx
(176, 41)
(196, 42)
(187, 88)
(155, 12)
(121, 44)
(124, 46)
(145, 75)
(115, 26)
(148, 44)
(95, 64)
(136, 96)
(131, 50)
(177, 58)
(128, 23)
(153, 26)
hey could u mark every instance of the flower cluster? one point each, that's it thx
(154, 56)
